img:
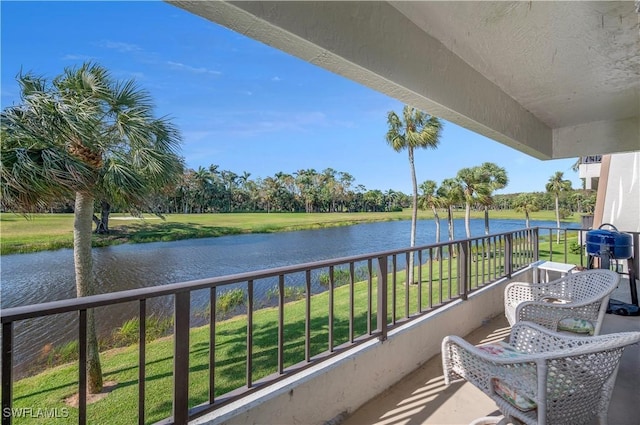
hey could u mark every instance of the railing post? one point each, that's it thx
(7, 372)
(463, 269)
(382, 298)
(536, 243)
(181, 358)
(508, 254)
(142, 360)
(249, 369)
(82, 368)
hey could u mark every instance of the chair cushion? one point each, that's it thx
(504, 350)
(554, 300)
(576, 325)
(500, 349)
(519, 401)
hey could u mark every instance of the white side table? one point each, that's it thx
(552, 266)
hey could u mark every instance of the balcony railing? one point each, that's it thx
(365, 297)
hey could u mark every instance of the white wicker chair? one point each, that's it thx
(561, 379)
(577, 298)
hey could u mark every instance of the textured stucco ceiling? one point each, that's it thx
(567, 62)
(552, 79)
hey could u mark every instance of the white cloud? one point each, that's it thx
(188, 68)
(197, 135)
(276, 79)
(120, 46)
(75, 57)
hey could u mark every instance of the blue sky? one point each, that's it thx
(240, 104)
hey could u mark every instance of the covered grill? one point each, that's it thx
(609, 244)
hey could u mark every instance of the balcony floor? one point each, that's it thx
(423, 399)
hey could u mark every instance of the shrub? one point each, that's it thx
(128, 333)
(291, 293)
(564, 213)
(576, 248)
(342, 276)
(229, 300)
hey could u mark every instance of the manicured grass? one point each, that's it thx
(50, 388)
(40, 232)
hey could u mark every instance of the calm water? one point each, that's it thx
(48, 276)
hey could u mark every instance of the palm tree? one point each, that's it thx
(88, 136)
(526, 203)
(475, 186)
(496, 179)
(416, 129)
(555, 185)
(430, 199)
(450, 194)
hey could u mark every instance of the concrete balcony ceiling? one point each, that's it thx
(551, 79)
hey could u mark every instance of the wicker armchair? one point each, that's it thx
(576, 302)
(541, 377)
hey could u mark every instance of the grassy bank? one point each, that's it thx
(41, 232)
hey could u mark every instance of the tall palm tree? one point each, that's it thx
(474, 183)
(430, 199)
(496, 179)
(416, 129)
(526, 203)
(450, 194)
(88, 136)
(555, 185)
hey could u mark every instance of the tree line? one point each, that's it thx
(212, 190)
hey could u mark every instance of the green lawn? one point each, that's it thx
(50, 388)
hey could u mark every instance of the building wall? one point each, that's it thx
(590, 173)
(622, 197)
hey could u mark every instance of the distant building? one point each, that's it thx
(589, 171)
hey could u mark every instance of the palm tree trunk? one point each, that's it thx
(557, 219)
(486, 220)
(467, 218)
(83, 217)
(436, 217)
(451, 231)
(414, 213)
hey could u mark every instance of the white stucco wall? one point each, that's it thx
(622, 200)
(589, 172)
(326, 391)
